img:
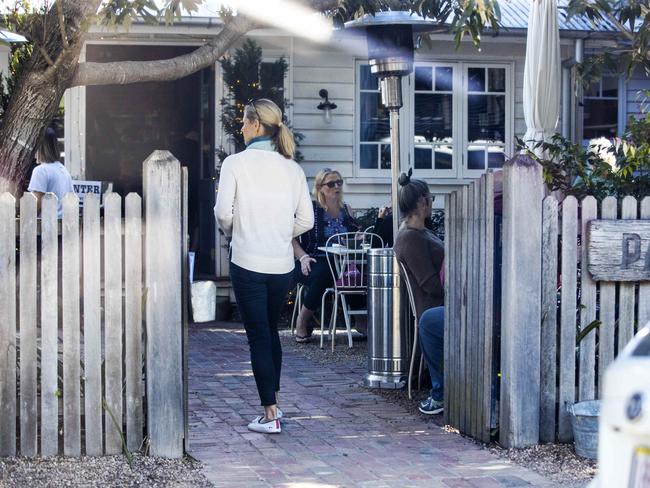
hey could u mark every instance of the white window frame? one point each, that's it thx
(456, 159)
(621, 100)
(509, 97)
(358, 170)
(460, 123)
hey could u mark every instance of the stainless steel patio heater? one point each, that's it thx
(390, 53)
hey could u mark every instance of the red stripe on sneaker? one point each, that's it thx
(277, 423)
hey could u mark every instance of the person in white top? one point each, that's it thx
(262, 204)
(50, 176)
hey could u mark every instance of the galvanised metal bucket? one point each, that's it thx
(584, 419)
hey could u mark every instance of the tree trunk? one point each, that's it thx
(35, 100)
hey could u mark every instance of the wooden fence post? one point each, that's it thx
(162, 192)
(521, 303)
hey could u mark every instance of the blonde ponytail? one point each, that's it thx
(270, 117)
(284, 142)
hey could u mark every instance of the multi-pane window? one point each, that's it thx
(486, 117)
(456, 122)
(374, 127)
(601, 109)
(433, 112)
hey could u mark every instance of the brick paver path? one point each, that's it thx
(336, 433)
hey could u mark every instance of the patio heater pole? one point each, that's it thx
(391, 97)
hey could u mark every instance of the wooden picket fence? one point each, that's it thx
(584, 323)
(469, 368)
(77, 307)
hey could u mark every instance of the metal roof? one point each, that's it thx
(514, 15)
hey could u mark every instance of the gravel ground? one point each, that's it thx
(555, 461)
(110, 471)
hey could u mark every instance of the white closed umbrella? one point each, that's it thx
(542, 73)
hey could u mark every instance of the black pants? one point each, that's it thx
(319, 279)
(260, 298)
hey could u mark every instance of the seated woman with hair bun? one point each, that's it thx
(422, 254)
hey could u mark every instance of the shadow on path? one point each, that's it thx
(336, 433)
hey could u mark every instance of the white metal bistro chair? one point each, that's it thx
(346, 255)
(409, 290)
(297, 305)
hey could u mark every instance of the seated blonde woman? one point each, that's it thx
(331, 216)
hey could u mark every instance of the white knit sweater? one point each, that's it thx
(263, 203)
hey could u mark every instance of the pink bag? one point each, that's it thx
(351, 277)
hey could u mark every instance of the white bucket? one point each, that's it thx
(204, 301)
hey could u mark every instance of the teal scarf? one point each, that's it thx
(263, 143)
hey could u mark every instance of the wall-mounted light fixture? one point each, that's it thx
(326, 106)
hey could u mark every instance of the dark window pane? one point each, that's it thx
(476, 159)
(433, 116)
(423, 78)
(422, 158)
(601, 118)
(495, 157)
(373, 118)
(444, 78)
(476, 79)
(610, 86)
(496, 79)
(272, 79)
(385, 156)
(443, 157)
(368, 80)
(368, 156)
(486, 118)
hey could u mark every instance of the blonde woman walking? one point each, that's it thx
(263, 203)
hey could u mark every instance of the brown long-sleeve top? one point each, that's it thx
(422, 254)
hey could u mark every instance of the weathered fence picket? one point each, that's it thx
(644, 287)
(49, 326)
(92, 326)
(607, 329)
(469, 251)
(7, 325)
(113, 322)
(133, 320)
(567, 366)
(548, 338)
(111, 348)
(71, 348)
(27, 321)
(587, 378)
(626, 290)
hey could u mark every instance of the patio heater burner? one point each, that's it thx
(390, 52)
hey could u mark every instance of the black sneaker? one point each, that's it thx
(431, 406)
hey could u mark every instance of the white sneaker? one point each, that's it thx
(272, 427)
(280, 414)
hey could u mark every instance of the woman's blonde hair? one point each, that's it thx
(270, 117)
(318, 184)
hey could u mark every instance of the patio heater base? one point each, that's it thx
(384, 382)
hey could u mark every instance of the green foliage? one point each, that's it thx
(246, 80)
(605, 169)
(469, 17)
(632, 21)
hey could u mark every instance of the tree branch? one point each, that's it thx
(125, 72)
(64, 36)
(629, 35)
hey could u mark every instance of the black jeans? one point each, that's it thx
(260, 298)
(319, 279)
